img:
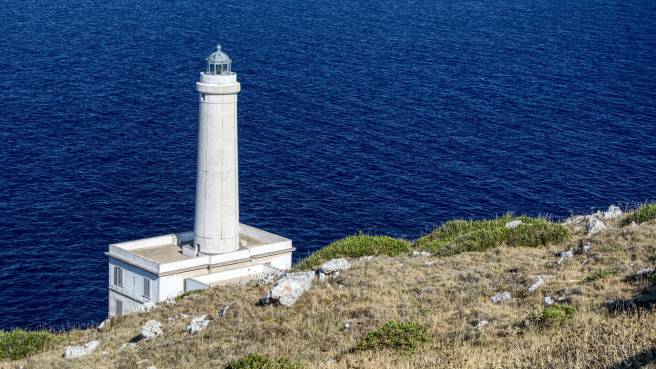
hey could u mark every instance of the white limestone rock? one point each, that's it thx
(74, 352)
(127, 346)
(539, 281)
(198, 324)
(151, 329)
(104, 324)
(500, 297)
(270, 277)
(289, 288)
(513, 224)
(564, 256)
(420, 253)
(482, 323)
(548, 301)
(224, 311)
(170, 301)
(334, 265)
(595, 226)
(612, 212)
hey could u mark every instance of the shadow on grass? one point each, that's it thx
(637, 361)
(644, 300)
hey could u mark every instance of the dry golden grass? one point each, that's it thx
(447, 295)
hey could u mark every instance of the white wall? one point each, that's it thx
(132, 290)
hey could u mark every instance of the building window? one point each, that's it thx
(118, 276)
(146, 292)
(119, 307)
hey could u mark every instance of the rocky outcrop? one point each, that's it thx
(74, 352)
(151, 329)
(500, 297)
(539, 281)
(513, 224)
(612, 212)
(198, 324)
(288, 289)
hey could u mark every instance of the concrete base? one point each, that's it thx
(168, 266)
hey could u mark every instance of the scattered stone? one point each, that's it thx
(347, 326)
(224, 310)
(548, 301)
(633, 225)
(595, 226)
(243, 243)
(501, 297)
(74, 352)
(146, 307)
(198, 324)
(584, 247)
(289, 288)
(429, 263)
(564, 256)
(104, 324)
(366, 258)
(539, 281)
(170, 301)
(482, 323)
(420, 253)
(513, 224)
(269, 278)
(127, 346)
(335, 265)
(151, 329)
(575, 219)
(612, 212)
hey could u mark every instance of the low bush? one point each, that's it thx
(599, 274)
(401, 336)
(458, 236)
(644, 213)
(18, 343)
(257, 361)
(356, 246)
(556, 314)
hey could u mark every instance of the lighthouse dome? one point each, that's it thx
(219, 63)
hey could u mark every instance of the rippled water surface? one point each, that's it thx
(383, 116)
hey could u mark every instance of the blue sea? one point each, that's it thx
(380, 116)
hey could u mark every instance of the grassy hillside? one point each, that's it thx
(399, 311)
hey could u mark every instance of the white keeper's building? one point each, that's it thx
(220, 250)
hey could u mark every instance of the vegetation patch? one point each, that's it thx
(458, 236)
(599, 274)
(644, 213)
(401, 336)
(356, 246)
(18, 343)
(187, 294)
(257, 361)
(552, 315)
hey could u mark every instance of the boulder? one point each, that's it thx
(612, 212)
(74, 352)
(170, 301)
(334, 265)
(198, 324)
(595, 226)
(565, 255)
(500, 297)
(539, 281)
(151, 329)
(289, 288)
(513, 224)
(548, 301)
(269, 277)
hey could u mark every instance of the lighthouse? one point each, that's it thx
(220, 250)
(216, 227)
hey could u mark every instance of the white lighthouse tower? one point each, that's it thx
(220, 250)
(216, 229)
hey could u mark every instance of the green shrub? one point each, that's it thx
(356, 246)
(18, 343)
(402, 336)
(458, 236)
(257, 361)
(556, 314)
(644, 213)
(599, 274)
